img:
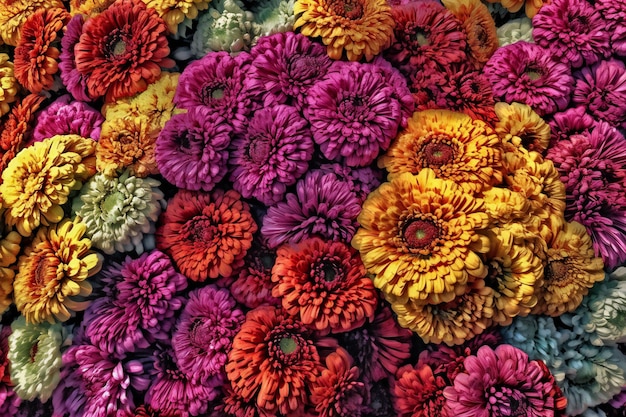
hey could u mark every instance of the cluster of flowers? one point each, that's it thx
(194, 219)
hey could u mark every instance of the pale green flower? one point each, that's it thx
(275, 16)
(119, 212)
(515, 30)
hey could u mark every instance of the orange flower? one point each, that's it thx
(324, 284)
(35, 56)
(8, 84)
(13, 14)
(207, 235)
(358, 27)
(174, 12)
(453, 145)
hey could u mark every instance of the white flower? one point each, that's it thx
(515, 30)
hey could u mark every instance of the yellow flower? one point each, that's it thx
(90, 8)
(506, 206)
(570, 271)
(175, 11)
(519, 125)
(40, 178)
(13, 13)
(8, 84)
(452, 144)
(53, 270)
(127, 143)
(156, 103)
(419, 237)
(9, 249)
(358, 27)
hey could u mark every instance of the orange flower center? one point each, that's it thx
(420, 234)
(288, 345)
(350, 9)
(556, 271)
(437, 154)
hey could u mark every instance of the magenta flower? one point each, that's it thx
(141, 304)
(614, 12)
(573, 31)
(284, 67)
(503, 382)
(73, 80)
(323, 205)
(525, 72)
(9, 401)
(192, 149)
(353, 114)
(573, 121)
(601, 88)
(66, 117)
(362, 180)
(205, 333)
(271, 153)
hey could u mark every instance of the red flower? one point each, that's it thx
(418, 392)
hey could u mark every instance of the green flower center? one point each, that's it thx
(422, 39)
(119, 48)
(111, 201)
(288, 345)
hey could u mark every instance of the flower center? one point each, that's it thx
(212, 92)
(495, 273)
(533, 73)
(506, 401)
(329, 271)
(268, 260)
(111, 201)
(119, 48)
(352, 107)
(579, 24)
(33, 351)
(617, 319)
(200, 229)
(200, 333)
(41, 273)
(288, 345)
(420, 234)
(303, 67)
(556, 271)
(350, 9)
(259, 150)
(217, 94)
(422, 39)
(437, 154)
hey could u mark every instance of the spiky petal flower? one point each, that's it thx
(418, 392)
(67, 117)
(13, 14)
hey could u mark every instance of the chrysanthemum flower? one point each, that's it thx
(354, 114)
(253, 286)
(67, 117)
(323, 205)
(192, 149)
(13, 14)
(9, 249)
(36, 54)
(40, 178)
(425, 33)
(175, 11)
(573, 121)
(337, 391)
(8, 84)
(571, 270)
(233, 405)
(11, 401)
(204, 334)
(324, 284)
(524, 72)
(378, 347)
(53, 270)
(273, 359)
(507, 208)
(271, 153)
(127, 143)
(357, 27)
(225, 26)
(122, 50)
(515, 30)
(453, 145)
(573, 31)
(284, 67)
(207, 235)
(601, 88)
(362, 180)
(518, 125)
(531, 7)
(418, 392)
(73, 81)
(419, 237)
(35, 356)
(89, 8)
(613, 13)
(275, 16)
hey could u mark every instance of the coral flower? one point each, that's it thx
(207, 235)
(337, 392)
(67, 117)
(518, 125)
(40, 178)
(359, 28)
(453, 145)
(174, 12)
(13, 14)
(273, 359)
(571, 270)
(122, 50)
(419, 237)
(418, 392)
(52, 271)
(36, 56)
(8, 84)
(9, 249)
(324, 284)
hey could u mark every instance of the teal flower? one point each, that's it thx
(275, 16)
(120, 213)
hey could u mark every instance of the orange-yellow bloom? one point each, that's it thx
(519, 125)
(13, 14)
(9, 249)
(175, 11)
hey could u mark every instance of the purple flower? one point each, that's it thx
(284, 67)
(205, 333)
(573, 31)
(323, 205)
(573, 121)
(362, 180)
(192, 149)
(353, 114)
(73, 80)
(525, 72)
(271, 153)
(216, 82)
(142, 300)
(602, 90)
(614, 11)
(65, 117)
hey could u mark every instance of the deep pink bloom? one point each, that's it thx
(65, 117)
(271, 153)
(9, 401)
(192, 149)
(74, 81)
(601, 88)
(502, 382)
(323, 205)
(353, 114)
(573, 121)
(284, 67)
(204, 335)
(143, 299)
(614, 11)
(362, 180)
(573, 31)
(525, 72)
